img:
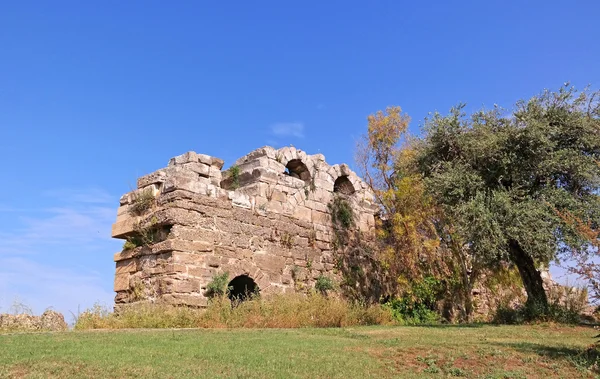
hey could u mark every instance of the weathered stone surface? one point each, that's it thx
(121, 282)
(48, 321)
(262, 226)
(127, 266)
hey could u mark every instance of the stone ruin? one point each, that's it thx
(266, 221)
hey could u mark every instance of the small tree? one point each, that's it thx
(409, 247)
(521, 188)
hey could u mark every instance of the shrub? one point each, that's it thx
(218, 285)
(535, 312)
(418, 303)
(323, 284)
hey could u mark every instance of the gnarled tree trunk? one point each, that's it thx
(532, 279)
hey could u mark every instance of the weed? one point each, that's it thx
(342, 214)
(324, 284)
(295, 271)
(129, 245)
(217, 287)
(142, 202)
(279, 157)
(455, 371)
(287, 240)
(234, 171)
(312, 238)
(309, 263)
(137, 291)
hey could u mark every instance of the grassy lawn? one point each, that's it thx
(359, 352)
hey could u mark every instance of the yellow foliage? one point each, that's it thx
(410, 244)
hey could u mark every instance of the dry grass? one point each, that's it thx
(279, 311)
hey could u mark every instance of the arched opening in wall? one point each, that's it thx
(297, 169)
(343, 185)
(242, 288)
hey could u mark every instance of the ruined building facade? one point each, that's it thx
(266, 222)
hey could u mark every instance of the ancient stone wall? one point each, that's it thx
(266, 221)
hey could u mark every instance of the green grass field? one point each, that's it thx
(544, 351)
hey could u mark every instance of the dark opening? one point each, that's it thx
(297, 169)
(242, 288)
(343, 185)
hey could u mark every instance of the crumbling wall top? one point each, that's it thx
(287, 181)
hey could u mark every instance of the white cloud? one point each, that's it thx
(294, 129)
(42, 286)
(59, 255)
(80, 221)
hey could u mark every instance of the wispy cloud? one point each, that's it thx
(72, 217)
(59, 253)
(41, 286)
(294, 129)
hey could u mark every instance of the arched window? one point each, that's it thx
(343, 185)
(297, 169)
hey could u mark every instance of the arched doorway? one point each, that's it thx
(242, 288)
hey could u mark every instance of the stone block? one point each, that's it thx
(199, 168)
(188, 157)
(265, 175)
(276, 166)
(266, 151)
(269, 263)
(192, 300)
(156, 177)
(217, 162)
(127, 266)
(185, 286)
(121, 282)
(188, 258)
(302, 213)
(239, 199)
(321, 218)
(123, 228)
(277, 195)
(323, 236)
(205, 159)
(181, 245)
(197, 185)
(198, 272)
(274, 206)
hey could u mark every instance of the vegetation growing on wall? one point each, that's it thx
(234, 171)
(142, 201)
(217, 287)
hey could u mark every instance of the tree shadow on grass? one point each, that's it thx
(453, 326)
(587, 358)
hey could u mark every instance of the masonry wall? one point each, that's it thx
(267, 218)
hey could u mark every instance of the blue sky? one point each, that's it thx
(95, 94)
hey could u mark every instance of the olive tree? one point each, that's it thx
(522, 186)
